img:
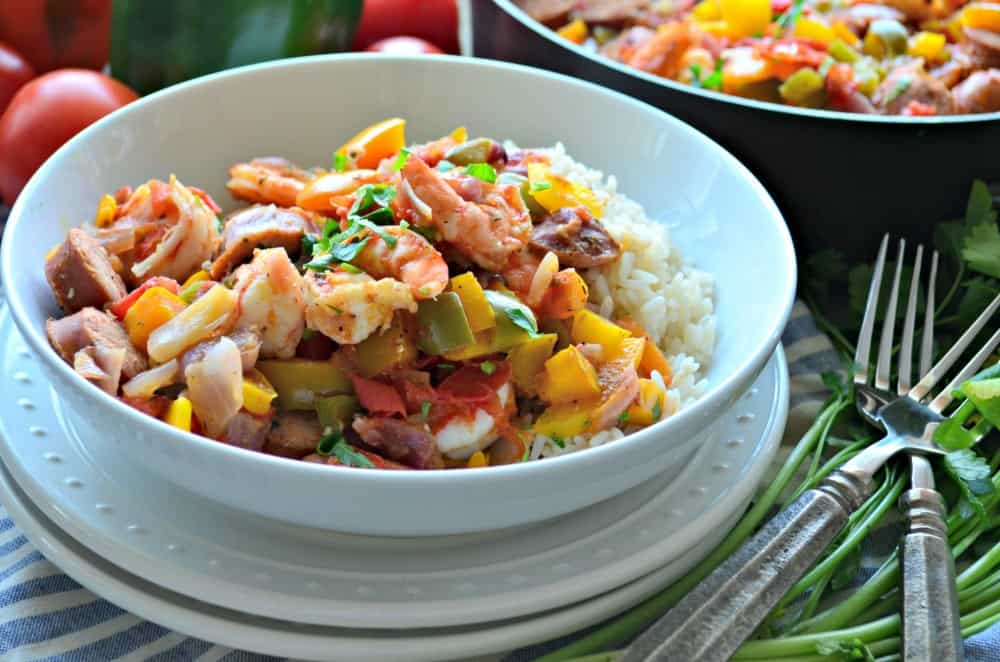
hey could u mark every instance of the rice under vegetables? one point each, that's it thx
(653, 285)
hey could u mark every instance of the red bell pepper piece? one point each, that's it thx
(120, 307)
(378, 397)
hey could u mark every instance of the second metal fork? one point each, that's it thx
(711, 622)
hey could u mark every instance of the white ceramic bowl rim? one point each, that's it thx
(39, 344)
(520, 15)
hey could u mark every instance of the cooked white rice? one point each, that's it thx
(653, 285)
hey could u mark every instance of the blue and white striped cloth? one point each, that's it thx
(45, 615)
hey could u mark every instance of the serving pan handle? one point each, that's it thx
(715, 618)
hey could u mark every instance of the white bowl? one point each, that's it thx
(721, 218)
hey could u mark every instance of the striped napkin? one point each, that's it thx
(45, 615)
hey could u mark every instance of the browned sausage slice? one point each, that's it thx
(613, 13)
(248, 431)
(80, 274)
(577, 238)
(260, 226)
(553, 13)
(92, 328)
(294, 434)
(401, 441)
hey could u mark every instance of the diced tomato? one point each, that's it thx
(120, 307)
(840, 84)
(780, 6)
(207, 199)
(786, 56)
(918, 109)
(470, 385)
(155, 406)
(378, 397)
(122, 194)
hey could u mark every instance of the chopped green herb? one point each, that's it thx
(540, 186)
(483, 171)
(349, 456)
(427, 233)
(401, 159)
(445, 166)
(425, 409)
(446, 366)
(326, 444)
(902, 85)
(524, 320)
(372, 194)
(340, 162)
(714, 80)
(347, 266)
(307, 334)
(308, 245)
(347, 252)
(623, 418)
(558, 441)
(658, 409)
(791, 15)
(404, 225)
(971, 473)
(385, 236)
(488, 367)
(321, 262)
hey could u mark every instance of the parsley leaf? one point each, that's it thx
(540, 186)
(340, 162)
(971, 474)
(488, 367)
(658, 409)
(425, 409)
(321, 262)
(325, 445)
(372, 194)
(714, 80)
(854, 649)
(483, 171)
(558, 441)
(515, 311)
(347, 252)
(349, 456)
(385, 236)
(982, 249)
(980, 206)
(623, 418)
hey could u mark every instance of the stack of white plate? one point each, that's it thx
(276, 588)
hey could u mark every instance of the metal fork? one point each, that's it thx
(711, 622)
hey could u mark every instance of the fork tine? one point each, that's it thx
(863, 352)
(944, 398)
(923, 387)
(905, 370)
(927, 341)
(888, 323)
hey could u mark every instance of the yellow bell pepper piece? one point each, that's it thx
(554, 192)
(257, 393)
(982, 16)
(746, 18)
(846, 34)
(813, 28)
(477, 308)
(179, 414)
(199, 321)
(528, 359)
(707, 10)
(317, 193)
(589, 327)
(153, 309)
(106, 210)
(568, 377)
(299, 382)
(564, 421)
(648, 407)
(377, 142)
(459, 135)
(576, 31)
(928, 45)
(652, 356)
(196, 277)
(477, 460)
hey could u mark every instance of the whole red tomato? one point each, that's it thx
(433, 20)
(46, 113)
(14, 72)
(403, 45)
(58, 33)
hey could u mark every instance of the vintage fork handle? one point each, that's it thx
(715, 618)
(931, 629)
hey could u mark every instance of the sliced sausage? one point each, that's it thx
(93, 328)
(260, 226)
(553, 13)
(402, 441)
(294, 434)
(379, 461)
(979, 93)
(612, 13)
(905, 86)
(248, 431)
(576, 237)
(80, 274)
(101, 366)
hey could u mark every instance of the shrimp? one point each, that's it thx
(412, 260)
(666, 52)
(271, 300)
(173, 230)
(266, 180)
(349, 307)
(487, 229)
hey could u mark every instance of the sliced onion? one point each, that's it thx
(145, 384)
(215, 386)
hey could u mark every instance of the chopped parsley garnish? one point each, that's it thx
(427, 233)
(791, 15)
(340, 162)
(445, 166)
(307, 334)
(372, 194)
(385, 236)
(540, 186)
(425, 409)
(658, 409)
(488, 367)
(623, 418)
(558, 441)
(349, 456)
(308, 244)
(523, 319)
(404, 225)
(713, 81)
(326, 444)
(347, 266)
(483, 171)
(401, 159)
(347, 252)
(902, 85)
(337, 246)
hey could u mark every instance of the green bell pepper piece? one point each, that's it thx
(299, 382)
(336, 411)
(443, 324)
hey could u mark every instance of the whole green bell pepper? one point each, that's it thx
(156, 43)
